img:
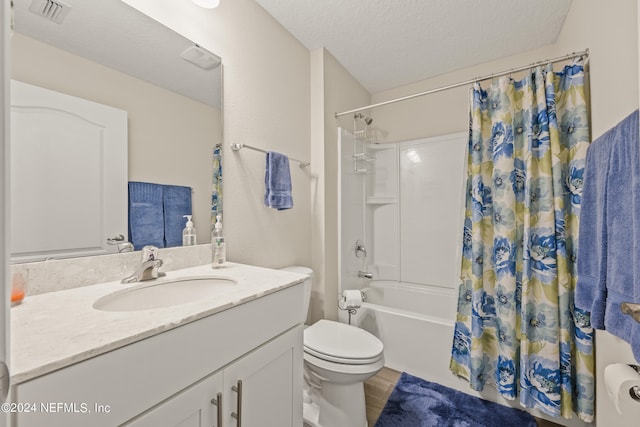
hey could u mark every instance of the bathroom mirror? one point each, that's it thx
(109, 53)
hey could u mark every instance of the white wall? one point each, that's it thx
(170, 136)
(340, 92)
(266, 104)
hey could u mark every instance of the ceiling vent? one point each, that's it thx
(201, 57)
(53, 10)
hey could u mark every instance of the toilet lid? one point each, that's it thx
(341, 341)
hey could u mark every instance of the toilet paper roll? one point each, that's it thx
(351, 299)
(619, 380)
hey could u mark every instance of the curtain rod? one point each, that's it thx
(467, 82)
(238, 146)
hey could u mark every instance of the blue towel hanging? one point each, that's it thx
(608, 250)
(277, 181)
(146, 218)
(177, 203)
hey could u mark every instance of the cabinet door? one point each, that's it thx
(265, 386)
(197, 406)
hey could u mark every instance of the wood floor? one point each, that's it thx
(378, 388)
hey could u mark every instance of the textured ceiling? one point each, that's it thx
(389, 43)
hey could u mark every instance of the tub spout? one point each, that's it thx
(365, 275)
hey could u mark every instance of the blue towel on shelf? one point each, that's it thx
(277, 181)
(146, 219)
(177, 203)
(609, 236)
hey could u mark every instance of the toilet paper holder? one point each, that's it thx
(351, 310)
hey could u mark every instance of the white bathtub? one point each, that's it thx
(415, 324)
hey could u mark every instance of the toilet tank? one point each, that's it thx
(307, 283)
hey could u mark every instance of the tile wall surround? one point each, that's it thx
(59, 274)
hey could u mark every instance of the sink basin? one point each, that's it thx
(165, 293)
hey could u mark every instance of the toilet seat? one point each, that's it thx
(341, 360)
(341, 343)
(346, 369)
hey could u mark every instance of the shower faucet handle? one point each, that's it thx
(360, 249)
(365, 275)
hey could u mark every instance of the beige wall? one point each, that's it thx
(267, 104)
(610, 31)
(333, 90)
(171, 137)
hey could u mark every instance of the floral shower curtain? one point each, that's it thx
(517, 328)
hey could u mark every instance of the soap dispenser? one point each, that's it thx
(189, 232)
(218, 249)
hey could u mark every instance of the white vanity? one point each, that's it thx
(234, 359)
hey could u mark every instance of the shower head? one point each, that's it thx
(367, 120)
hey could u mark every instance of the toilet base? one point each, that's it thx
(310, 415)
(343, 405)
(336, 405)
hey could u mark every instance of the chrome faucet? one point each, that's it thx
(125, 247)
(121, 242)
(148, 268)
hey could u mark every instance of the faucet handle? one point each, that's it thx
(360, 249)
(149, 253)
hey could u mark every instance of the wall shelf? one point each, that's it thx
(364, 157)
(383, 146)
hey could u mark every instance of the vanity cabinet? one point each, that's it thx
(192, 407)
(251, 354)
(263, 387)
(258, 388)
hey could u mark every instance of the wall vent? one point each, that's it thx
(53, 10)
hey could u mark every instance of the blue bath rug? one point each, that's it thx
(415, 402)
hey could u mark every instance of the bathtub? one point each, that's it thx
(415, 324)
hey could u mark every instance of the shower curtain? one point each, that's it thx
(517, 328)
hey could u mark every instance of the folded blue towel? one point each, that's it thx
(609, 237)
(277, 182)
(146, 219)
(176, 201)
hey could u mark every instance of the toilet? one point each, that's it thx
(338, 358)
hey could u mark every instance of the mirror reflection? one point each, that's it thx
(70, 165)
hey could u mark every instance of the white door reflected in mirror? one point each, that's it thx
(69, 196)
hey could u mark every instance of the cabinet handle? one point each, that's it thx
(218, 402)
(238, 415)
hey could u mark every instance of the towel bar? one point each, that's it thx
(238, 146)
(631, 309)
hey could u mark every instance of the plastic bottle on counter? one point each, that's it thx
(218, 248)
(189, 233)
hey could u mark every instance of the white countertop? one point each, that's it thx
(57, 329)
